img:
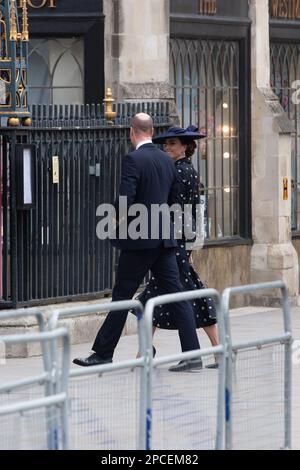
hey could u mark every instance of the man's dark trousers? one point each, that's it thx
(133, 267)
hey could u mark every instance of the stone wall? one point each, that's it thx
(221, 267)
(296, 244)
(137, 49)
(82, 329)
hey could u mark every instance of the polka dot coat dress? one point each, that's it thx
(204, 309)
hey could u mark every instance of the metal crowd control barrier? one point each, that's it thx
(36, 312)
(54, 423)
(195, 395)
(89, 415)
(30, 312)
(249, 402)
(264, 390)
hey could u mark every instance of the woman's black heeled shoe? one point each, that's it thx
(153, 352)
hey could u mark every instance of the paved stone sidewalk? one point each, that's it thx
(247, 324)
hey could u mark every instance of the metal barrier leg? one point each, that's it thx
(59, 397)
(285, 339)
(142, 363)
(168, 299)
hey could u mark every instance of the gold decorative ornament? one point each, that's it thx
(13, 22)
(13, 122)
(288, 10)
(207, 7)
(3, 38)
(25, 32)
(108, 104)
(27, 122)
(14, 37)
(40, 4)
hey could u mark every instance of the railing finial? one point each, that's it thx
(108, 104)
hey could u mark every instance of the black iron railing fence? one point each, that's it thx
(51, 252)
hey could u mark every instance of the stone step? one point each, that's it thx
(82, 329)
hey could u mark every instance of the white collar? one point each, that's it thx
(148, 141)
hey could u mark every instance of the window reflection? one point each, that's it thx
(206, 88)
(56, 71)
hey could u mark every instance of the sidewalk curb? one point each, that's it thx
(83, 328)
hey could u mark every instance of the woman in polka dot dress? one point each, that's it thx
(179, 144)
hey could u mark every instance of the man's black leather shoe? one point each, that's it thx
(92, 360)
(189, 364)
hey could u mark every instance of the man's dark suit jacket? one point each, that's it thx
(148, 177)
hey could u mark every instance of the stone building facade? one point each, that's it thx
(155, 50)
(229, 67)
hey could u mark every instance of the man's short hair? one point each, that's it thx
(142, 124)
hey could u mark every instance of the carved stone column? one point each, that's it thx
(273, 256)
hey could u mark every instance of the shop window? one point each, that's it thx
(285, 70)
(205, 77)
(56, 71)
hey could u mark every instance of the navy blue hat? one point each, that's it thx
(191, 132)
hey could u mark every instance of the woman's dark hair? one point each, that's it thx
(191, 146)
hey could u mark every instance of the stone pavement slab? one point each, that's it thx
(246, 325)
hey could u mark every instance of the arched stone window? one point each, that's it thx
(56, 71)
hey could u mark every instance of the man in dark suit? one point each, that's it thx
(148, 178)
